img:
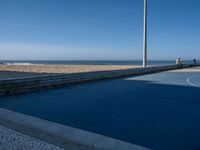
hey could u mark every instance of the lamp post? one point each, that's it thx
(145, 35)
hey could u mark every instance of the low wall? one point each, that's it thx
(14, 86)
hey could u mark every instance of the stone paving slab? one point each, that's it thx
(12, 140)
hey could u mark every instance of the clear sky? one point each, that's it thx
(98, 29)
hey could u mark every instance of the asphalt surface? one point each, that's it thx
(159, 111)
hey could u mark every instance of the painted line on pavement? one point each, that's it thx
(188, 80)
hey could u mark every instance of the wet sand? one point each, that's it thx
(20, 71)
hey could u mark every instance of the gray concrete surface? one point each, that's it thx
(74, 139)
(12, 140)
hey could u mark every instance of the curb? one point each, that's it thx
(60, 135)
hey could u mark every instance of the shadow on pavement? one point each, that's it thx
(157, 116)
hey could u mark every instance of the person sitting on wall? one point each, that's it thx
(179, 63)
(195, 62)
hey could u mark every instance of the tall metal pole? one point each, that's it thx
(145, 35)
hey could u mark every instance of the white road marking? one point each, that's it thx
(188, 80)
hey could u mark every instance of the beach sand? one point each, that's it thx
(20, 71)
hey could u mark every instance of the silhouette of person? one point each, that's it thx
(179, 63)
(195, 62)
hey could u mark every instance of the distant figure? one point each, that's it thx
(195, 62)
(179, 63)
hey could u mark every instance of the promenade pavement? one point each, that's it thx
(158, 111)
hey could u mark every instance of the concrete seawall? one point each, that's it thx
(21, 85)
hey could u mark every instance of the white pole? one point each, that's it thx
(145, 35)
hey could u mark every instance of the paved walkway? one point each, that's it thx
(159, 111)
(12, 140)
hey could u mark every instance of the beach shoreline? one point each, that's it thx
(21, 71)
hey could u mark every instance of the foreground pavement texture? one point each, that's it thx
(158, 111)
(12, 140)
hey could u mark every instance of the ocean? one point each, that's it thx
(48, 62)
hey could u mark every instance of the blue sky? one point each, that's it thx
(98, 29)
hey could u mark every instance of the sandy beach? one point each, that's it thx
(20, 71)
